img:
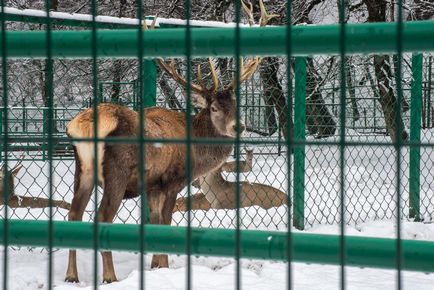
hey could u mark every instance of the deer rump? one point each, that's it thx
(164, 163)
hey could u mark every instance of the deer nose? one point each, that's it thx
(242, 127)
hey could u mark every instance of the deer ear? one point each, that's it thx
(16, 170)
(199, 101)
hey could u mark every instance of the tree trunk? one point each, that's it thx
(116, 87)
(274, 96)
(352, 91)
(168, 92)
(383, 72)
(387, 97)
(319, 120)
(117, 65)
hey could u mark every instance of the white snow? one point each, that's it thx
(28, 269)
(117, 20)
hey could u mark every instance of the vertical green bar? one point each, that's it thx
(96, 100)
(188, 145)
(342, 117)
(138, 105)
(4, 139)
(100, 93)
(149, 83)
(428, 112)
(1, 134)
(415, 128)
(299, 136)
(398, 143)
(49, 130)
(44, 133)
(237, 145)
(289, 141)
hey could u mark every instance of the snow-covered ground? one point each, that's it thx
(28, 269)
(370, 193)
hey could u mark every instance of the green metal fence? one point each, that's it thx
(406, 181)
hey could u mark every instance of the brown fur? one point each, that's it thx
(165, 172)
(19, 201)
(219, 193)
(198, 202)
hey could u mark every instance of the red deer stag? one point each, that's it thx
(165, 171)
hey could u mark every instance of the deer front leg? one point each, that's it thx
(161, 207)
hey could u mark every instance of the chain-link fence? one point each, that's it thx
(370, 182)
(370, 96)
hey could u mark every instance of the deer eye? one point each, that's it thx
(214, 109)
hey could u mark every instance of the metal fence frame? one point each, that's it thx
(340, 39)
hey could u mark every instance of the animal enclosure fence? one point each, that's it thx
(28, 117)
(314, 161)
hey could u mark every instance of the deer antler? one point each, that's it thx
(171, 70)
(215, 81)
(247, 70)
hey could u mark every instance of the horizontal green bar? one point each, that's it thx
(311, 248)
(13, 138)
(306, 40)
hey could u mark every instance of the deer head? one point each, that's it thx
(219, 102)
(10, 174)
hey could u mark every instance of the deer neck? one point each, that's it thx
(202, 125)
(209, 156)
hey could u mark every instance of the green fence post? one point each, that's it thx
(1, 134)
(135, 96)
(415, 128)
(100, 94)
(299, 135)
(149, 87)
(149, 83)
(44, 132)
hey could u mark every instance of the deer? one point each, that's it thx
(165, 171)
(19, 201)
(218, 193)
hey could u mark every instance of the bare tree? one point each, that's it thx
(383, 72)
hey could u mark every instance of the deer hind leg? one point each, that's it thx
(161, 207)
(115, 183)
(83, 185)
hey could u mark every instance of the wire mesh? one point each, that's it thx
(352, 98)
(262, 113)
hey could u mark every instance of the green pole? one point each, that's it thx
(299, 135)
(205, 42)
(44, 132)
(428, 122)
(1, 134)
(135, 96)
(100, 94)
(149, 83)
(24, 115)
(270, 245)
(415, 128)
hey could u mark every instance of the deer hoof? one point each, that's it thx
(71, 279)
(109, 280)
(160, 261)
